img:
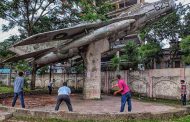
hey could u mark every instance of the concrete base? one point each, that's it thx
(5, 115)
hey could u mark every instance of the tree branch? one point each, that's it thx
(11, 18)
(22, 11)
(42, 12)
(33, 10)
(26, 2)
(48, 12)
(41, 3)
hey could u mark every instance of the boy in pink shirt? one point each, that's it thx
(125, 92)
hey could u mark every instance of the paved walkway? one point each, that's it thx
(4, 115)
(106, 104)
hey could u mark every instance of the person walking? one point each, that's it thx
(18, 89)
(125, 92)
(63, 95)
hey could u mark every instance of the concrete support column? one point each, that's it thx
(92, 84)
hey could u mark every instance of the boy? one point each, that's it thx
(126, 94)
(50, 86)
(183, 92)
(18, 89)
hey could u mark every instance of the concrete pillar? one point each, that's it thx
(92, 84)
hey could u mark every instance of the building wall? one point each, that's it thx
(156, 83)
(74, 80)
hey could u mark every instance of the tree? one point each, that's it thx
(148, 52)
(93, 10)
(30, 14)
(185, 48)
(42, 70)
(4, 46)
(116, 62)
(170, 29)
(130, 54)
(22, 66)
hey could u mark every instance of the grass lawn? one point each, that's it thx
(29, 119)
(6, 89)
(159, 100)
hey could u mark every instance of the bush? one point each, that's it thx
(4, 89)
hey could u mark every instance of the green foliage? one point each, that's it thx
(42, 70)
(142, 34)
(91, 12)
(169, 28)
(22, 66)
(185, 48)
(131, 54)
(148, 51)
(4, 89)
(129, 59)
(1, 83)
(4, 46)
(135, 54)
(115, 61)
(26, 84)
(35, 16)
(79, 68)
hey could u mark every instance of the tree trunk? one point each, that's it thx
(50, 73)
(10, 73)
(92, 84)
(118, 65)
(33, 77)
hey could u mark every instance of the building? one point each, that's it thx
(169, 60)
(120, 6)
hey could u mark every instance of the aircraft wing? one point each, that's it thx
(30, 55)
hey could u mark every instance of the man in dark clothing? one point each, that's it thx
(183, 92)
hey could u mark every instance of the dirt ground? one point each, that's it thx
(105, 105)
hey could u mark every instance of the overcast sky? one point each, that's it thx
(5, 35)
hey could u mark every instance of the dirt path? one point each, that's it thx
(106, 104)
